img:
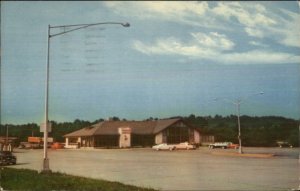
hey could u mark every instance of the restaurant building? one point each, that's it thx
(133, 134)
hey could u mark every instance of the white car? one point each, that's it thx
(163, 146)
(185, 145)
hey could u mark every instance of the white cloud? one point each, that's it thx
(260, 22)
(163, 10)
(254, 32)
(208, 50)
(214, 40)
(175, 9)
(251, 19)
(259, 57)
(255, 43)
(203, 45)
(260, 8)
(172, 46)
(290, 30)
(249, 16)
(193, 13)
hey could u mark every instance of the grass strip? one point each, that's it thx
(24, 179)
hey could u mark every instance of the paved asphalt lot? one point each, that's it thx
(175, 170)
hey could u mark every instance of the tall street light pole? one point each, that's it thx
(6, 135)
(237, 103)
(71, 28)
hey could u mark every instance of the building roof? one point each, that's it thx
(112, 127)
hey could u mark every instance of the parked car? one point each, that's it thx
(232, 145)
(284, 144)
(163, 146)
(223, 145)
(27, 145)
(185, 145)
(57, 145)
(6, 158)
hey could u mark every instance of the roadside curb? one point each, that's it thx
(253, 155)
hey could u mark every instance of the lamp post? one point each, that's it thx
(71, 28)
(237, 103)
(6, 141)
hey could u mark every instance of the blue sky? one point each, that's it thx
(174, 59)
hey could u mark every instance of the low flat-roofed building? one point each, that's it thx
(133, 134)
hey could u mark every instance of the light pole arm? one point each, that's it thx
(233, 102)
(81, 26)
(239, 101)
(249, 96)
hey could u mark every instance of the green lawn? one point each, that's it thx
(23, 179)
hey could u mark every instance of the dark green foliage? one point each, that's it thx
(21, 131)
(199, 121)
(21, 179)
(255, 131)
(60, 129)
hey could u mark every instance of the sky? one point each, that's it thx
(176, 59)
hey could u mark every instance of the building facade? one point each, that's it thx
(133, 134)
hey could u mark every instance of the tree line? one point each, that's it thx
(255, 131)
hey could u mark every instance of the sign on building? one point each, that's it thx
(125, 137)
(34, 139)
(124, 130)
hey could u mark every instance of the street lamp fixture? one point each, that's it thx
(70, 28)
(125, 24)
(237, 103)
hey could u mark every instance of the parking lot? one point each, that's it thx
(175, 170)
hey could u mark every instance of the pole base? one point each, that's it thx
(240, 151)
(46, 168)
